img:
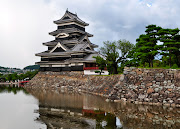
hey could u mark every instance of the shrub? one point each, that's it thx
(175, 66)
(97, 71)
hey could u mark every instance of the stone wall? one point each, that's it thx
(142, 86)
(74, 81)
(152, 86)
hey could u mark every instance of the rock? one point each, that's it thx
(165, 82)
(159, 79)
(122, 78)
(136, 102)
(124, 99)
(150, 90)
(139, 72)
(55, 110)
(155, 95)
(141, 96)
(171, 101)
(72, 113)
(156, 89)
(157, 83)
(171, 95)
(150, 115)
(116, 101)
(149, 84)
(164, 102)
(173, 105)
(138, 83)
(79, 114)
(169, 89)
(146, 100)
(107, 100)
(177, 101)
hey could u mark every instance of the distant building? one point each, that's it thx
(71, 50)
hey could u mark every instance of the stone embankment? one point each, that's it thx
(149, 86)
(74, 81)
(140, 86)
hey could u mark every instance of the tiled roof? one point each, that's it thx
(69, 30)
(78, 47)
(80, 40)
(73, 17)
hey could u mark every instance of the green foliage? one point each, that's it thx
(171, 44)
(146, 48)
(116, 52)
(110, 51)
(97, 71)
(124, 47)
(120, 70)
(175, 66)
(32, 67)
(15, 76)
(101, 63)
(13, 89)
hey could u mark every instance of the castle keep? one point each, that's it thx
(71, 50)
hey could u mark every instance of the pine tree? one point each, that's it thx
(170, 46)
(146, 46)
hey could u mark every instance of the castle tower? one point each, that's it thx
(71, 50)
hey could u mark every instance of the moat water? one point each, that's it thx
(40, 109)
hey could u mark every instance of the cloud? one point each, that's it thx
(25, 24)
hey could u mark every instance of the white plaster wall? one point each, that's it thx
(91, 72)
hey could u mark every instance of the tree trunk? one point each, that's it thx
(144, 65)
(100, 72)
(115, 69)
(170, 61)
(152, 63)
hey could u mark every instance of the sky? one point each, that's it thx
(25, 24)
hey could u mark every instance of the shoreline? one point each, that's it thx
(131, 101)
(138, 86)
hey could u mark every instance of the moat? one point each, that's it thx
(37, 109)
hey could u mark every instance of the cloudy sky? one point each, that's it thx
(25, 24)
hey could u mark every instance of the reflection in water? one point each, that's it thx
(12, 88)
(17, 110)
(91, 111)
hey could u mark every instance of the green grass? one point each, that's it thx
(157, 68)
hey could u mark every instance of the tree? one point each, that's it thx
(111, 51)
(125, 47)
(133, 60)
(146, 47)
(152, 33)
(177, 51)
(170, 40)
(14, 76)
(9, 77)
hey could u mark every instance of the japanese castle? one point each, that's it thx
(71, 50)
